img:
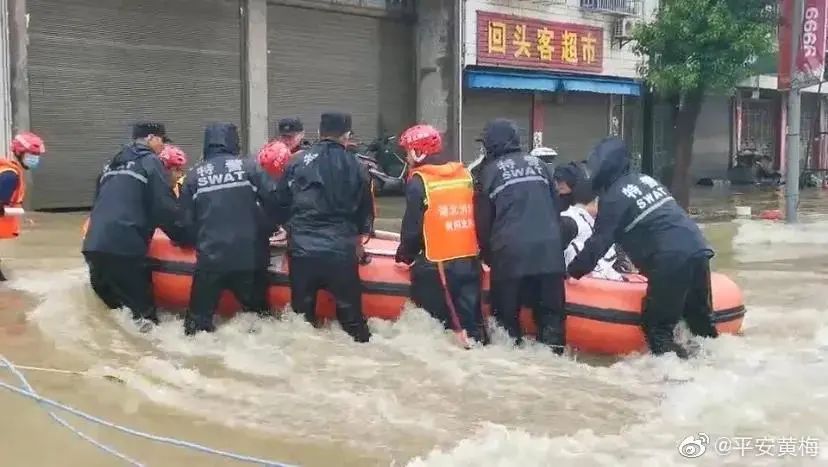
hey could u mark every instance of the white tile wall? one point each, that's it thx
(617, 62)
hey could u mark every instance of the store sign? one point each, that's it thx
(810, 57)
(516, 42)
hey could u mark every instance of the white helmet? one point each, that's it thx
(544, 152)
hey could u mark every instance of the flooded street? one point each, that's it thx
(314, 398)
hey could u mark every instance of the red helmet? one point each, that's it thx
(27, 143)
(173, 157)
(425, 140)
(274, 158)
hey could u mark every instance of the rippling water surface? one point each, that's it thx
(310, 397)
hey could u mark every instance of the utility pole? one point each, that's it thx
(794, 120)
(18, 58)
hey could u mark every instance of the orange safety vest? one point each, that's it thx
(448, 223)
(10, 225)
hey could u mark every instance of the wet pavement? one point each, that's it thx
(315, 398)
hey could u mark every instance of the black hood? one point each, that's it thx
(608, 161)
(132, 152)
(500, 137)
(221, 139)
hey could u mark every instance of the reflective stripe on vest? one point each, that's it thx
(448, 222)
(10, 225)
(584, 222)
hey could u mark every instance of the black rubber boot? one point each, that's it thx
(480, 335)
(553, 337)
(359, 332)
(701, 324)
(660, 341)
(191, 326)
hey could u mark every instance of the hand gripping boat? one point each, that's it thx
(603, 317)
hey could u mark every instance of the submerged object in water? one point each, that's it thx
(771, 215)
(603, 316)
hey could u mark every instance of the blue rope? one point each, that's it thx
(30, 393)
(63, 422)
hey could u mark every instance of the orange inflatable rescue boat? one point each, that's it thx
(603, 317)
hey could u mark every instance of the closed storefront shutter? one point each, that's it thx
(97, 66)
(322, 61)
(481, 106)
(575, 124)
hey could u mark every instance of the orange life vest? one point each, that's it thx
(10, 225)
(448, 223)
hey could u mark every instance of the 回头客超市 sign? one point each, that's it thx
(512, 41)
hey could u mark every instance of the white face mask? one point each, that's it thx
(31, 161)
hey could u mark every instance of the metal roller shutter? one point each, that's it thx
(481, 106)
(329, 61)
(576, 124)
(96, 66)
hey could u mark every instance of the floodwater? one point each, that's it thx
(411, 398)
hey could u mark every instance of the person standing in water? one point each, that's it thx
(221, 202)
(326, 206)
(26, 149)
(517, 216)
(438, 236)
(132, 198)
(641, 215)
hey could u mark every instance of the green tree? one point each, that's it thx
(696, 46)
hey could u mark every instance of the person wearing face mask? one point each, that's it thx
(132, 198)
(517, 217)
(437, 237)
(26, 149)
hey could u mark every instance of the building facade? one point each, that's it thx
(79, 72)
(96, 66)
(563, 69)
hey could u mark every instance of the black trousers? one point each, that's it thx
(544, 294)
(309, 275)
(122, 281)
(463, 278)
(677, 289)
(249, 288)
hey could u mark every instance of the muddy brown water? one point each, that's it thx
(314, 398)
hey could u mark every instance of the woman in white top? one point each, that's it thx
(578, 220)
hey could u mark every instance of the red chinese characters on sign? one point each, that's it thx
(810, 58)
(512, 41)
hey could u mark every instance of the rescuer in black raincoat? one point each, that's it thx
(437, 232)
(221, 202)
(517, 214)
(132, 198)
(326, 204)
(639, 213)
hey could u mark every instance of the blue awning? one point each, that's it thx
(529, 81)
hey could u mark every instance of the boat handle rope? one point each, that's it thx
(29, 391)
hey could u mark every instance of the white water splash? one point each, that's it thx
(412, 397)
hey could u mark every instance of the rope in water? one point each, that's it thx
(4, 362)
(30, 393)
